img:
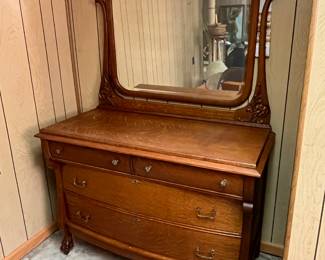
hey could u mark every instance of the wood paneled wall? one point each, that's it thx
(306, 231)
(285, 74)
(36, 89)
(158, 42)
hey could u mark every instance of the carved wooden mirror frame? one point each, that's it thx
(257, 111)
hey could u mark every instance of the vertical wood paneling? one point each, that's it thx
(197, 68)
(309, 176)
(100, 33)
(64, 55)
(142, 42)
(36, 89)
(154, 20)
(53, 58)
(74, 54)
(163, 36)
(123, 73)
(12, 223)
(178, 36)
(188, 41)
(38, 59)
(320, 246)
(171, 43)
(278, 71)
(155, 41)
(39, 71)
(292, 110)
(2, 254)
(148, 49)
(22, 121)
(126, 44)
(134, 41)
(85, 25)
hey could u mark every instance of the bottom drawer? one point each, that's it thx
(155, 236)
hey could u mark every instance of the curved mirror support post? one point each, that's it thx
(190, 53)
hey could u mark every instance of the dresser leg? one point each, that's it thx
(67, 242)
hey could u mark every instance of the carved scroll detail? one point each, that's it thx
(106, 92)
(258, 108)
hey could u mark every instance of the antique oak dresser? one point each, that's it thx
(149, 179)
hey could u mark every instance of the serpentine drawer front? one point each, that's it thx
(156, 201)
(171, 241)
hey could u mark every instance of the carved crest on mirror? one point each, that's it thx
(248, 104)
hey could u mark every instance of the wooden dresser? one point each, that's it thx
(159, 174)
(156, 187)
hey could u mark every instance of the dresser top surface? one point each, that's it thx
(241, 146)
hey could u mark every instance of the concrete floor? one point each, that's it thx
(49, 250)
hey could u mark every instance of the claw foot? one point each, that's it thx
(67, 244)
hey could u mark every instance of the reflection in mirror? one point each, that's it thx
(182, 45)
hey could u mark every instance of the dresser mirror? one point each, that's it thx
(194, 46)
(187, 53)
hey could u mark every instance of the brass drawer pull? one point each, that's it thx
(148, 168)
(79, 184)
(135, 181)
(223, 183)
(58, 150)
(84, 218)
(200, 255)
(115, 162)
(211, 215)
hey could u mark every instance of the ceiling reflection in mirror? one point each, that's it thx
(182, 45)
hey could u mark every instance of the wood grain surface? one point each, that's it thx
(81, 150)
(150, 235)
(187, 176)
(223, 143)
(144, 198)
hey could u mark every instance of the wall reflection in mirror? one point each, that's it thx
(182, 45)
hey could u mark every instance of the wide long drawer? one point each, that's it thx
(172, 241)
(155, 200)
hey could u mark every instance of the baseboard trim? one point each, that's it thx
(272, 249)
(32, 243)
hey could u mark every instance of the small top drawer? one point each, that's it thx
(190, 176)
(92, 157)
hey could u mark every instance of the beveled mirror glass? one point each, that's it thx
(198, 51)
